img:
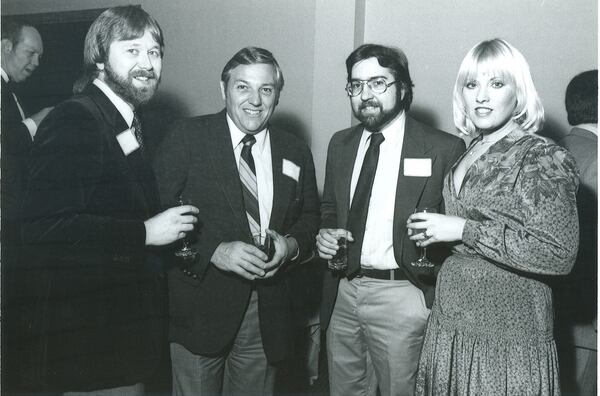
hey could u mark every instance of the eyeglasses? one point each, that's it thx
(377, 85)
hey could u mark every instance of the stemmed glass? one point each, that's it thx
(422, 261)
(186, 252)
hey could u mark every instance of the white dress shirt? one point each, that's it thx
(261, 153)
(378, 243)
(29, 123)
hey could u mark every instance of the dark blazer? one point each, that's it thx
(576, 298)
(420, 141)
(96, 295)
(16, 144)
(206, 307)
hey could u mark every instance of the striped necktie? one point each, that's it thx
(136, 125)
(249, 187)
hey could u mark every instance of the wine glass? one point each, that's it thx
(186, 252)
(422, 261)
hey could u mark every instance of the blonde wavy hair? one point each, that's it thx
(499, 58)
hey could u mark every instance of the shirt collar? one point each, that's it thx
(393, 132)
(237, 135)
(4, 75)
(123, 107)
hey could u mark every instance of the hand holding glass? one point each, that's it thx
(264, 242)
(423, 261)
(339, 262)
(185, 252)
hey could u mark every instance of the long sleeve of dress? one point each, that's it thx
(536, 229)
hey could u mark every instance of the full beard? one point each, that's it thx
(375, 122)
(125, 89)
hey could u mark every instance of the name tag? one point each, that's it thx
(127, 141)
(290, 169)
(417, 167)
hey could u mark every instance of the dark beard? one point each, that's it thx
(374, 123)
(126, 90)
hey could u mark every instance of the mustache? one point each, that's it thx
(369, 103)
(143, 73)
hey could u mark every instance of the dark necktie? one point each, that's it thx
(249, 189)
(357, 217)
(136, 125)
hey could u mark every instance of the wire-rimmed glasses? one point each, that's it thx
(377, 85)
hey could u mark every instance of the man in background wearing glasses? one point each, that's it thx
(377, 173)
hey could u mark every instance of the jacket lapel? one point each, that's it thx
(135, 166)
(225, 167)
(409, 189)
(346, 163)
(283, 186)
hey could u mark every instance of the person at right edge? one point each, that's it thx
(576, 296)
(511, 212)
(377, 172)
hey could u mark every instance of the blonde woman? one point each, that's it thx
(510, 211)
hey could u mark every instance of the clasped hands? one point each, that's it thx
(250, 262)
(438, 228)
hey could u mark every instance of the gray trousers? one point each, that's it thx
(243, 370)
(375, 336)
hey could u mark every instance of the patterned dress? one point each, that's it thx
(490, 330)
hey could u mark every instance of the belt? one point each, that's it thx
(393, 274)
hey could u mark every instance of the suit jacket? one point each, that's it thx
(577, 294)
(16, 144)
(197, 161)
(420, 141)
(96, 295)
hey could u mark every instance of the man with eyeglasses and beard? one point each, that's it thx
(375, 311)
(94, 321)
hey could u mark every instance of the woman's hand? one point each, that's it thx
(438, 228)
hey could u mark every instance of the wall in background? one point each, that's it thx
(558, 38)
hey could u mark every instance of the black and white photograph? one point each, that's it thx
(299, 198)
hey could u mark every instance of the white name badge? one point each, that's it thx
(290, 169)
(417, 167)
(127, 141)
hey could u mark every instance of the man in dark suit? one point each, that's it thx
(576, 298)
(230, 307)
(377, 173)
(95, 318)
(22, 50)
